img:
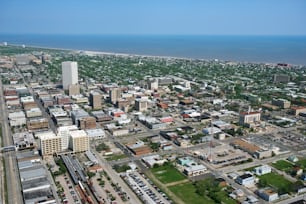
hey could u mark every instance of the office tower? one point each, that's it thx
(95, 100)
(69, 73)
(114, 95)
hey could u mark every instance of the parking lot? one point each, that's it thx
(144, 190)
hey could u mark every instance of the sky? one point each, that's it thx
(154, 17)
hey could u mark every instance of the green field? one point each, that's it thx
(276, 181)
(283, 165)
(187, 193)
(302, 163)
(167, 174)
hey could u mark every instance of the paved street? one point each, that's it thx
(12, 174)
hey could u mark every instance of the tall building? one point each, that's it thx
(79, 141)
(63, 132)
(95, 100)
(249, 117)
(114, 95)
(69, 73)
(141, 105)
(152, 84)
(50, 143)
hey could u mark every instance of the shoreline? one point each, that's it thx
(96, 53)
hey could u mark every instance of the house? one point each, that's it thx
(261, 170)
(268, 194)
(245, 180)
(293, 158)
(303, 177)
(297, 171)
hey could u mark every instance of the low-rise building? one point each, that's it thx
(33, 112)
(268, 194)
(24, 140)
(261, 170)
(195, 170)
(282, 103)
(246, 180)
(17, 118)
(37, 124)
(150, 161)
(95, 134)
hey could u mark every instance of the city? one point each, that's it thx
(91, 127)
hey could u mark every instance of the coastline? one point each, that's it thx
(97, 53)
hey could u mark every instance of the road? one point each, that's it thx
(12, 174)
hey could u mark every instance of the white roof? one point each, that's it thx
(78, 133)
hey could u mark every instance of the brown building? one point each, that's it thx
(73, 89)
(29, 105)
(37, 124)
(141, 150)
(95, 100)
(87, 123)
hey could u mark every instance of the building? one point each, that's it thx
(24, 140)
(87, 123)
(152, 84)
(282, 103)
(64, 133)
(95, 134)
(261, 170)
(268, 194)
(249, 117)
(49, 143)
(79, 141)
(17, 118)
(73, 89)
(33, 112)
(246, 180)
(95, 100)
(195, 170)
(114, 95)
(69, 74)
(150, 161)
(281, 78)
(296, 110)
(37, 124)
(141, 105)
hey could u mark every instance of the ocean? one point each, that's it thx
(266, 49)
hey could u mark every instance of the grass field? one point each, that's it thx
(186, 192)
(167, 174)
(302, 163)
(276, 181)
(282, 165)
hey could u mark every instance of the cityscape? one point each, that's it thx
(99, 127)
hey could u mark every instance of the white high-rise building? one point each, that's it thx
(69, 73)
(64, 133)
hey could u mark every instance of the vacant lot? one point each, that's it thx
(187, 192)
(167, 174)
(302, 163)
(283, 165)
(276, 181)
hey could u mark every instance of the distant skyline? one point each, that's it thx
(154, 17)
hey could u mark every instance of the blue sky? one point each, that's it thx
(194, 17)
